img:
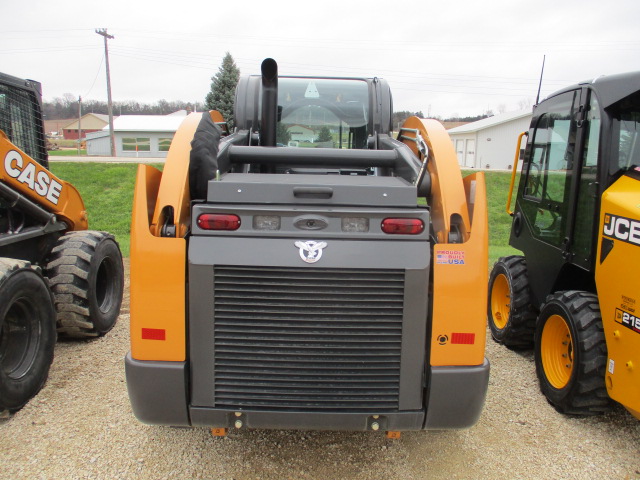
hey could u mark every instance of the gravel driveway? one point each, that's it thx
(81, 426)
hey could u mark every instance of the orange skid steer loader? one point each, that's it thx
(312, 286)
(56, 277)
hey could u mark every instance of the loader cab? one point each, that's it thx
(21, 116)
(580, 141)
(306, 126)
(319, 112)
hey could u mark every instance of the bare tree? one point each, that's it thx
(524, 103)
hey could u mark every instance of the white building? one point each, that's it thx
(300, 133)
(137, 135)
(490, 142)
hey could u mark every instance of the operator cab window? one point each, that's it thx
(322, 113)
(18, 113)
(550, 162)
(626, 129)
(583, 233)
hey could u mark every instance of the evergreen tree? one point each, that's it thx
(223, 89)
(325, 135)
(283, 135)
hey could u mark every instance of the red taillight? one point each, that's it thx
(218, 221)
(403, 226)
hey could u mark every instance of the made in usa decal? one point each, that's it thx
(450, 257)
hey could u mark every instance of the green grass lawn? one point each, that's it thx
(499, 220)
(67, 153)
(107, 190)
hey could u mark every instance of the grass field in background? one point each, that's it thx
(107, 190)
(67, 153)
(64, 142)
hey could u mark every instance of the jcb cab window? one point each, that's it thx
(552, 148)
(625, 133)
(548, 173)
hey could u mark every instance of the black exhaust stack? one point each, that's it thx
(269, 117)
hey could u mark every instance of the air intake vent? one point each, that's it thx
(303, 339)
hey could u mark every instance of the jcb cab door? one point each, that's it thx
(546, 209)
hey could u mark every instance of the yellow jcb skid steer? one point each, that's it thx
(574, 294)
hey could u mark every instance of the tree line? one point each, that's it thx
(67, 107)
(400, 117)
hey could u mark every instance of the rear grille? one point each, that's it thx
(307, 339)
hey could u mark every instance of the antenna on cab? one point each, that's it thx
(540, 84)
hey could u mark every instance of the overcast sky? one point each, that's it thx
(445, 58)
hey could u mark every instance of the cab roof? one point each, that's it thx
(609, 88)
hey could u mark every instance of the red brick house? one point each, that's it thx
(90, 122)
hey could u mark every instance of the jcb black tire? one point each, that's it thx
(27, 333)
(510, 315)
(87, 279)
(571, 353)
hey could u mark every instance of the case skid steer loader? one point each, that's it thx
(575, 292)
(55, 275)
(277, 286)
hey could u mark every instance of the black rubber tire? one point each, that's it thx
(519, 328)
(585, 392)
(87, 279)
(203, 158)
(27, 333)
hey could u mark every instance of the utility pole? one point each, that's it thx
(103, 32)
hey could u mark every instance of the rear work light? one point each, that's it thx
(402, 226)
(218, 221)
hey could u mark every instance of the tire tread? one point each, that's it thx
(586, 393)
(520, 328)
(35, 378)
(68, 271)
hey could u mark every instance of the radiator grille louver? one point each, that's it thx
(307, 339)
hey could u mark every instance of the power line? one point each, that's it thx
(517, 45)
(48, 49)
(96, 77)
(206, 62)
